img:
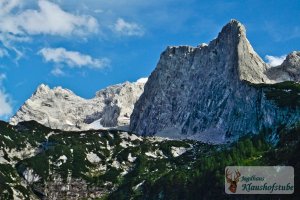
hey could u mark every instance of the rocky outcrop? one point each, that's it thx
(289, 70)
(205, 93)
(79, 165)
(60, 108)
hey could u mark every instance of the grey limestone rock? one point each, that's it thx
(207, 93)
(289, 70)
(60, 108)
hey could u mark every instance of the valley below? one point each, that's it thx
(40, 163)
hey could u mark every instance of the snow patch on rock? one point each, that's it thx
(17, 195)
(21, 154)
(93, 158)
(142, 80)
(130, 158)
(62, 159)
(30, 176)
(138, 185)
(132, 137)
(178, 151)
(2, 159)
(116, 164)
(156, 154)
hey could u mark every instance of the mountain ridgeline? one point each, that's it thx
(221, 100)
(60, 108)
(217, 92)
(212, 93)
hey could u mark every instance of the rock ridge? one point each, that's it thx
(60, 108)
(204, 92)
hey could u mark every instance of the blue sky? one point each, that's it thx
(88, 45)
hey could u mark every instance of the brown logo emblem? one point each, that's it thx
(233, 182)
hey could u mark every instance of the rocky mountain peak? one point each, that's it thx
(120, 89)
(42, 88)
(289, 70)
(204, 92)
(292, 60)
(233, 39)
(232, 30)
(60, 108)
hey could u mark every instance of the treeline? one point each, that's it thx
(203, 176)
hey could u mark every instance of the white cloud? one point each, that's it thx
(19, 25)
(8, 5)
(48, 19)
(142, 80)
(71, 59)
(3, 53)
(126, 28)
(275, 60)
(5, 103)
(57, 71)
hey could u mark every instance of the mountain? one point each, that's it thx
(60, 108)
(214, 93)
(37, 162)
(289, 70)
(217, 92)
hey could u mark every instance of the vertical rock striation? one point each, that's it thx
(205, 92)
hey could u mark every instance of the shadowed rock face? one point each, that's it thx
(204, 93)
(60, 108)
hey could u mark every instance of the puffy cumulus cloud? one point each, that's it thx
(5, 102)
(8, 5)
(19, 25)
(71, 59)
(48, 19)
(128, 28)
(275, 60)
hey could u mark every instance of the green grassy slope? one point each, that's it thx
(131, 167)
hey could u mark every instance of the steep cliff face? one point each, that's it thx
(60, 108)
(205, 92)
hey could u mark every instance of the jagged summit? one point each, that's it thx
(251, 67)
(204, 92)
(233, 28)
(231, 42)
(198, 92)
(289, 70)
(292, 61)
(60, 108)
(43, 88)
